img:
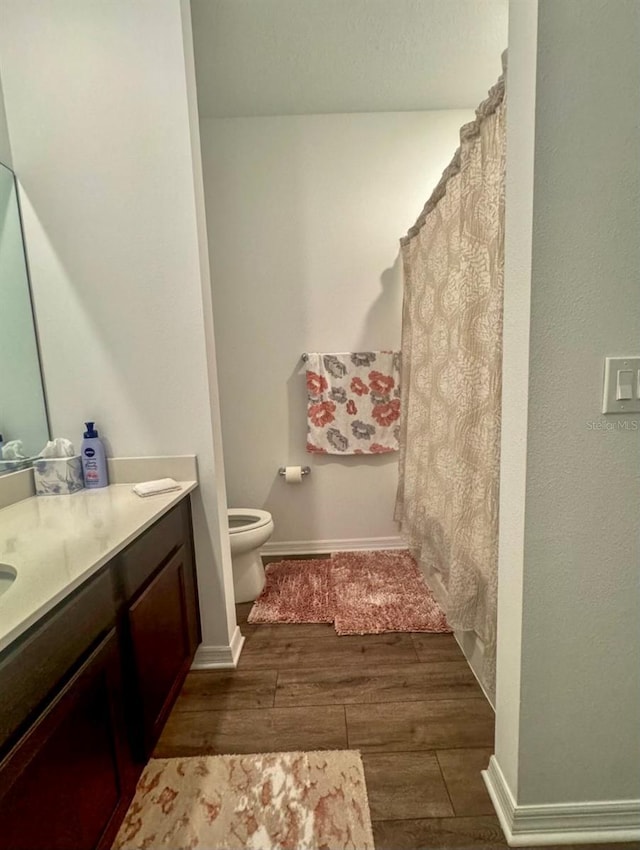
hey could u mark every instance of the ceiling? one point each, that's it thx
(292, 57)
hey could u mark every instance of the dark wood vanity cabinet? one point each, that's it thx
(158, 623)
(162, 644)
(84, 695)
(65, 780)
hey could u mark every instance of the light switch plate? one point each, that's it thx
(613, 365)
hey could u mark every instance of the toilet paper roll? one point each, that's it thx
(293, 474)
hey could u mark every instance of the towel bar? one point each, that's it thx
(305, 357)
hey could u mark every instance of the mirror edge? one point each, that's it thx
(34, 316)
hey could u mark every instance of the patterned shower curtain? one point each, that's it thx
(453, 262)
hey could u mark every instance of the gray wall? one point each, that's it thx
(576, 736)
(582, 537)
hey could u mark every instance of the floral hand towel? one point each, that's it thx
(353, 402)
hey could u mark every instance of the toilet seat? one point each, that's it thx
(247, 519)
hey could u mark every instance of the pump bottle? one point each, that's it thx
(94, 461)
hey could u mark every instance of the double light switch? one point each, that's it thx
(621, 385)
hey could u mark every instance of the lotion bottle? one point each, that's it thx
(94, 461)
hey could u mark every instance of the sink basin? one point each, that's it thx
(7, 577)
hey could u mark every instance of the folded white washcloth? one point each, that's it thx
(150, 488)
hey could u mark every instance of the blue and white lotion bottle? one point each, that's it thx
(94, 461)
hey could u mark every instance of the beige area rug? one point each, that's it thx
(366, 592)
(273, 801)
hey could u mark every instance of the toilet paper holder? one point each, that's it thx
(306, 470)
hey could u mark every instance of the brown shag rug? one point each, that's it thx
(293, 589)
(383, 592)
(273, 801)
(367, 592)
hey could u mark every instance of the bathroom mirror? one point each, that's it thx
(23, 411)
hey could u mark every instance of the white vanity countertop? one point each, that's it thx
(56, 542)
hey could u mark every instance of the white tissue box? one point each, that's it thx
(58, 476)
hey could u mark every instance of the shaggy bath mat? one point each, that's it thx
(383, 591)
(305, 801)
(366, 592)
(295, 592)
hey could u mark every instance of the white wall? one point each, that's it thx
(304, 216)
(521, 106)
(98, 107)
(319, 57)
(5, 143)
(573, 735)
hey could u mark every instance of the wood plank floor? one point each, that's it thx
(409, 703)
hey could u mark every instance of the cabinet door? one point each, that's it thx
(162, 642)
(62, 784)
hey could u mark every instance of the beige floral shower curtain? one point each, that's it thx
(453, 261)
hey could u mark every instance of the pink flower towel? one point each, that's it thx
(353, 402)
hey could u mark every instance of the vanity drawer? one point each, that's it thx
(141, 559)
(31, 670)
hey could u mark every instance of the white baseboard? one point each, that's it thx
(314, 547)
(219, 657)
(601, 822)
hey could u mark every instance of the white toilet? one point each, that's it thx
(249, 529)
